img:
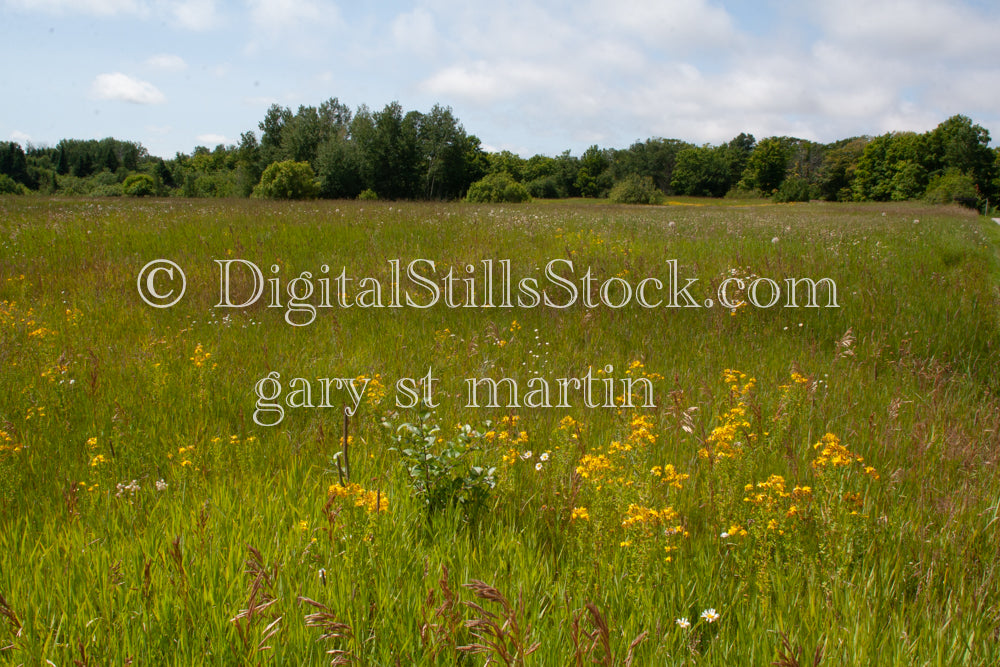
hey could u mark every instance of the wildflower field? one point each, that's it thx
(746, 485)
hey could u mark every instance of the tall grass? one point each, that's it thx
(144, 516)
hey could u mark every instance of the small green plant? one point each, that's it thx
(368, 195)
(440, 471)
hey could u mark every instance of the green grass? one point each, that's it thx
(100, 390)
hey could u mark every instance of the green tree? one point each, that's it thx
(875, 178)
(132, 155)
(248, 167)
(339, 168)
(109, 159)
(909, 180)
(272, 130)
(540, 177)
(388, 150)
(593, 178)
(301, 136)
(566, 174)
(444, 147)
(506, 161)
(701, 171)
(767, 165)
(959, 145)
(63, 167)
(13, 162)
(654, 158)
(836, 175)
(161, 172)
(737, 153)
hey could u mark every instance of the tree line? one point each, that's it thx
(329, 151)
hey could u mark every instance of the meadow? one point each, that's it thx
(806, 485)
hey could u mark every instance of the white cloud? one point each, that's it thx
(283, 15)
(483, 82)
(414, 31)
(95, 7)
(907, 117)
(675, 25)
(476, 82)
(299, 27)
(189, 14)
(604, 72)
(167, 61)
(519, 27)
(121, 87)
(20, 137)
(212, 139)
(924, 29)
(552, 76)
(194, 14)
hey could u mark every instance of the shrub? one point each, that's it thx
(793, 189)
(139, 185)
(287, 180)
(544, 187)
(8, 186)
(636, 189)
(441, 472)
(953, 187)
(113, 190)
(496, 188)
(742, 191)
(368, 195)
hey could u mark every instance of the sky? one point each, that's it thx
(529, 77)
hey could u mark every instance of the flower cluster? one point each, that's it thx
(375, 390)
(506, 433)
(669, 476)
(7, 443)
(127, 490)
(200, 356)
(354, 494)
(832, 454)
(774, 506)
(728, 439)
(594, 467)
(637, 515)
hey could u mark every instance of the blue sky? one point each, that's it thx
(527, 77)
